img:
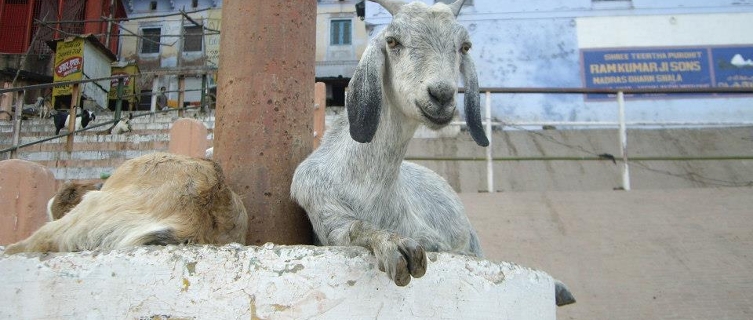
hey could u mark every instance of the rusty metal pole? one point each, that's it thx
(265, 98)
(75, 97)
(181, 96)
(17, 123)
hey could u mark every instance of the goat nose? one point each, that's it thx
(442, 92)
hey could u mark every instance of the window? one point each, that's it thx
(150, 40)
(339, 32)
(153, 5)
(194, 3)
(192, 38)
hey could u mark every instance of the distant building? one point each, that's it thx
(157, 37)
(341, 39)
(26, 26)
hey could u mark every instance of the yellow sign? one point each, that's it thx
(130, 89)
(69, 64)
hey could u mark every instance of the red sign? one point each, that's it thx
(126, 81)
(69, 66)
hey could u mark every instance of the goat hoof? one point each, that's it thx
(402, 276)
(402, 259)
(415, 255)
(562, 294)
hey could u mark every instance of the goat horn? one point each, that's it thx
(392, 6)
(455, 7)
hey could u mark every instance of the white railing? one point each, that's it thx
(622, 124)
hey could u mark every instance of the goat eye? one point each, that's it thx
(465, 48)
(392, 42)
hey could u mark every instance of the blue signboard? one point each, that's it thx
(733, 66)
(658, 68)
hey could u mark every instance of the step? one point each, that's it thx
(141, 131)
(93, 153)
(140, 123)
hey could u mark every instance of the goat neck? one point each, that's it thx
(381, 158)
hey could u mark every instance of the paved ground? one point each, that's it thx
(647, 254)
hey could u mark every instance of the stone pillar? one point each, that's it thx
(25, 188)
(188, 137)
(265, 98)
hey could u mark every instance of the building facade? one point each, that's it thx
(341, 39)
(157, 38)
(165, 38)
(26, 27)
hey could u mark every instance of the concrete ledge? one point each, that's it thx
(268, 282)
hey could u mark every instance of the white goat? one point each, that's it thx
(155, 199)
(123, 125)
(356, 188)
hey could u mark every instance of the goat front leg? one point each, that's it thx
(400, 257)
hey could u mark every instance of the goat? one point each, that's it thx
(122, 126)
(155, 199)
(61, 119)
(45, 109)
(356, 188)
(69, 195)
(40, 108)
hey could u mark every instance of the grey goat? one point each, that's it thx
(356, 188)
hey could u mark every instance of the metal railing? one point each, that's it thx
(621, 123)
(17, 117)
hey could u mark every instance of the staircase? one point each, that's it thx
(95, 154)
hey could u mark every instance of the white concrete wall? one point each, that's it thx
(269, 282)
(97, 65)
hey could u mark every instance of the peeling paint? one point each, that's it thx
(186, 284)
(191, 267)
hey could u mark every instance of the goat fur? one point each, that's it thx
(67, 197)
(356, 188)
(156, 199)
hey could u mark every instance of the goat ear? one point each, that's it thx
(472, 102)
(392, 6)
(364, 100)
(456, 6)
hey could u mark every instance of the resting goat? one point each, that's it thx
(356, 188)
(61, 120)
(122, 126)
(41, 108)
(155, 199)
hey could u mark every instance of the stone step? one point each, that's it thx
(140, 128)
(137, 124)
(93, 153)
